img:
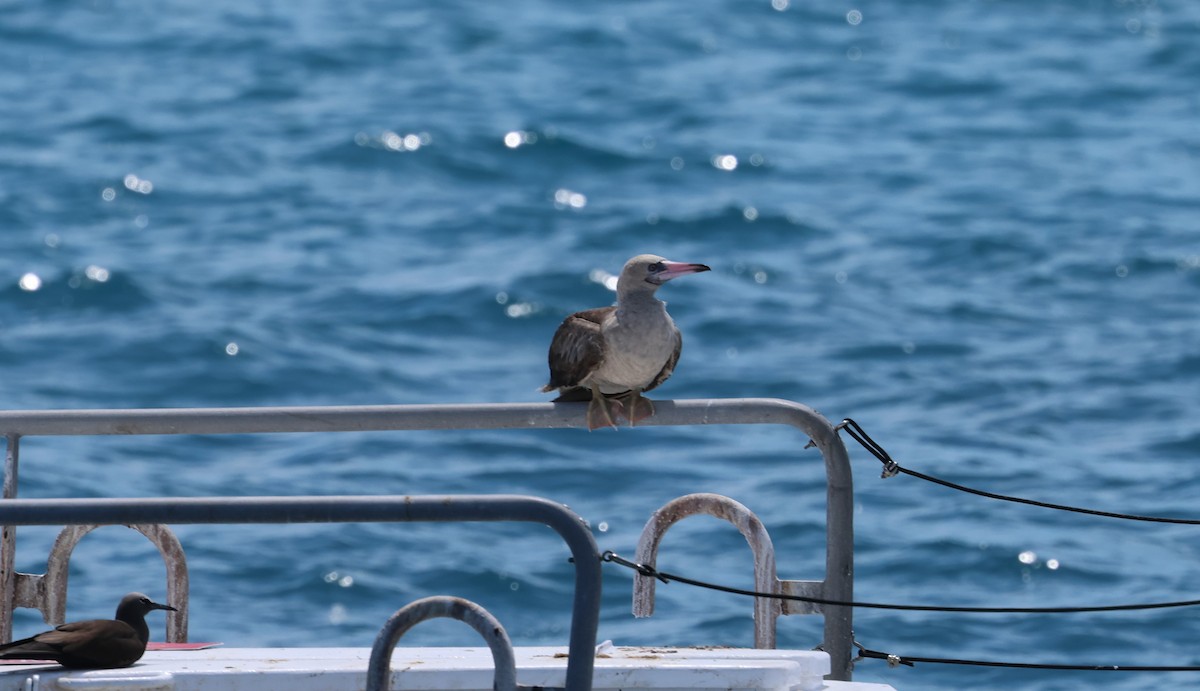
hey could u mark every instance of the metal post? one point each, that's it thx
(8, 541)
(839, 553)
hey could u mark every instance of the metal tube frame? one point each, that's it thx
(585, 615)
(839, 524)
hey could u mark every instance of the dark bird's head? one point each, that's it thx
(138, 605)
(646, 272)
(133, 610)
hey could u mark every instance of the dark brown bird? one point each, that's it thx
(611, 355)
(95, 643)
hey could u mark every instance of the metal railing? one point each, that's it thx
(838, 583)
(585, 615)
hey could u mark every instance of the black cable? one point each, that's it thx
(665, 577)
(894, 660)
(909, 660)
(890, 468)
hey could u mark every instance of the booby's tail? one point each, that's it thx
(578, 394)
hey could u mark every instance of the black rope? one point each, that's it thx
(910, 661)
(665, 577)
(890, 468)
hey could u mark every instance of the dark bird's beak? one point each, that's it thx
(169, 608)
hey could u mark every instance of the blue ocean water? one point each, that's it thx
(971, 226)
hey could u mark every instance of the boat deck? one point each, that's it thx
(330, 669)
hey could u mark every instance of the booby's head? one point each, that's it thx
(646, 272)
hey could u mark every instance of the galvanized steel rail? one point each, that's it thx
(585, 616)
(839, 555)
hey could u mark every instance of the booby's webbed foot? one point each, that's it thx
(603, 411)
(639, 406)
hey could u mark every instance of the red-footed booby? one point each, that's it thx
(95, 643)
(611, 355)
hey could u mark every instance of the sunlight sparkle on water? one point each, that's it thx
(30, 282)
(135, 184)
(1027, 557)
(725, 162)
(564, 198)
(231, 349)
(517, 137)
(854, 17)
(98, 274)
(405, 142)
(520, 309)
(343, 580)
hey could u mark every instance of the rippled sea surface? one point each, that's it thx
(971, 226)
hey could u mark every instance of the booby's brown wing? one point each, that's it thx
(577, 349)
(669, 367)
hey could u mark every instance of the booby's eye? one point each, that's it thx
(655, 267)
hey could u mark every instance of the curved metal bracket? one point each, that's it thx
(379, 672)
(765, 609)
(49, 594)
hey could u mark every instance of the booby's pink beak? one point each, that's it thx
(677, 269)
